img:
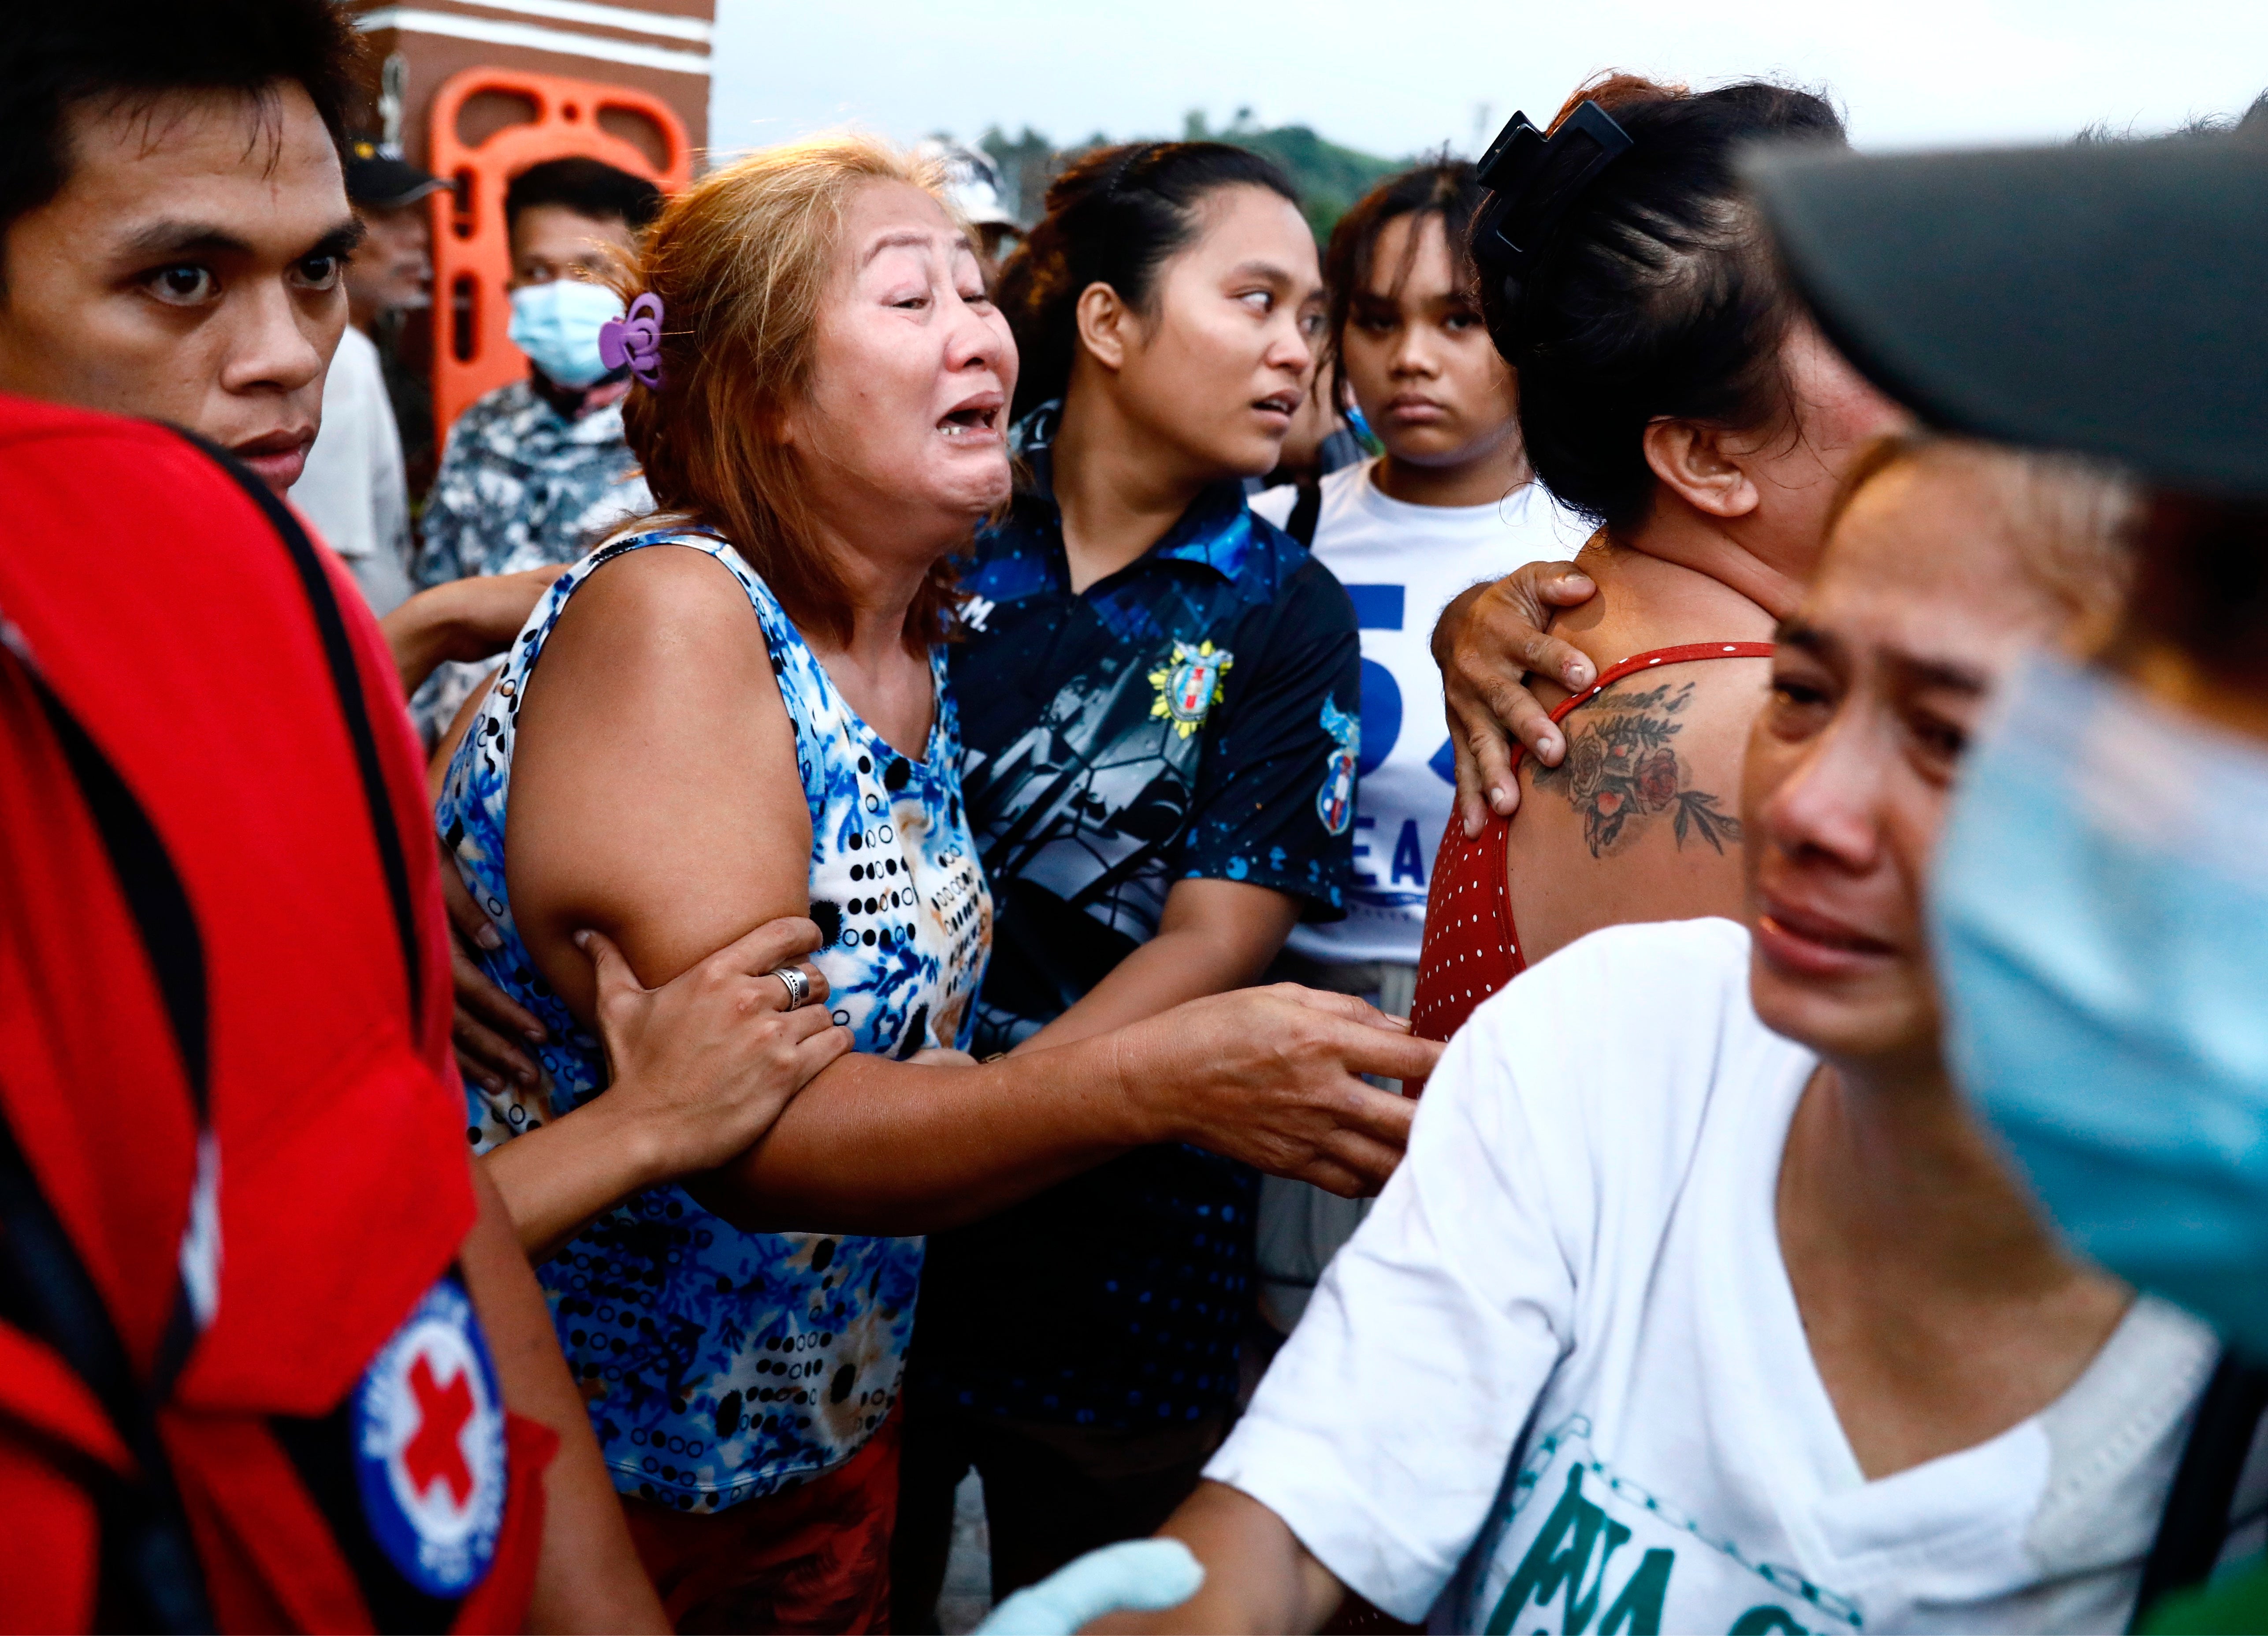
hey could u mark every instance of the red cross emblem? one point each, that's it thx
(429, 1439)
(434, 1454)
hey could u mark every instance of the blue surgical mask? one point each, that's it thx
(557, 326)
(2100, 912)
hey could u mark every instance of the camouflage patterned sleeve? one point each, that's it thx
(446, 542)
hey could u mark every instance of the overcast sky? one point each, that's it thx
(1394, 76)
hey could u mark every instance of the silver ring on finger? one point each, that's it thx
(797, 985)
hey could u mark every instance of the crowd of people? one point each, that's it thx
(1542, 919)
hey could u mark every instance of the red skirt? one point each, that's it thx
(815, 1558)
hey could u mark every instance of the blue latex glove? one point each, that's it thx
(1142, 1574)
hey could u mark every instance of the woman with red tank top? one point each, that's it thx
(1671, 389)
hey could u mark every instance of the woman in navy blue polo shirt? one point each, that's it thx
(1160, 696)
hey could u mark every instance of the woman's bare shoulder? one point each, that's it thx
(1660, 746)
(665, 627)
(659, 653)
(655, 794)
(1640, 821)
(655, 588)
(1644, 604)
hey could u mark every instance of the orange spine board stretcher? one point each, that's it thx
(472, 254)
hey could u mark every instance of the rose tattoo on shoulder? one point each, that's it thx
(1621, 768)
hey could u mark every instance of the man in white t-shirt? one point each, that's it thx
(1699, 1303)
(354, 490)
(1450, 503)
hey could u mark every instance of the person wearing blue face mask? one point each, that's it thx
(535, 472)
(556, 324)
(2101, 902)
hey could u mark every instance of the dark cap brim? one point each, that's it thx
(2111, 299)
(385, 184)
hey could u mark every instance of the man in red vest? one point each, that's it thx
(270, 1354)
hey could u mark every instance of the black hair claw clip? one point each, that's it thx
(1531, 185)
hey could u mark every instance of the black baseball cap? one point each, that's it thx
(2106, 298)
(379, 177)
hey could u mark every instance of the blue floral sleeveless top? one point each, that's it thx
(720, 1366)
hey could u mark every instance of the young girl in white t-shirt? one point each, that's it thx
(1450, 503)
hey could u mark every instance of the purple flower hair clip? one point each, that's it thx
(635, 340)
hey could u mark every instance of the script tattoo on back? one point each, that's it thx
(1621, 770)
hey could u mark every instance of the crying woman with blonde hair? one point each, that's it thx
(744, 741)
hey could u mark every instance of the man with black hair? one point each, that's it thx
(535, 472)
(150, 269)
(176, 228)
